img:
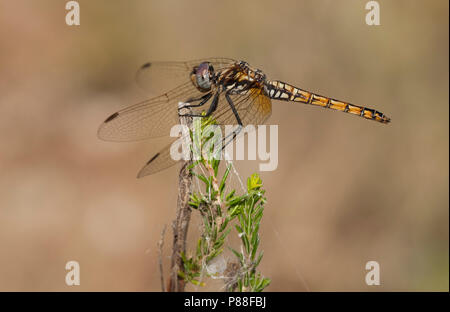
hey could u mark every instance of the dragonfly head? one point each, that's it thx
(202, 76)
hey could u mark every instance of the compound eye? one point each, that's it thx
(203, 76)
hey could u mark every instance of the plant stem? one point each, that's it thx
(183, 215)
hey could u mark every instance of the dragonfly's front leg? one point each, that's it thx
(212, 108)
(205, 98)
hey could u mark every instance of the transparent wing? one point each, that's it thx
(160, 161)
(253, 108)
(155, 117)
(159, 77)
(150, 118)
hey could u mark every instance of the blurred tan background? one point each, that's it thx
(346, 190)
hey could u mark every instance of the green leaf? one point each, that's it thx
(224, 178)
(182, 275)
(230, 194)
(255, 234)
(197, 283)
(238, 255)
(224, 235)
(224, 224)
(259, 258)
(214, 254)
(235, 211)
(183, 257)
(254, 248)
(201, 177)
(264, 284)
(206, 224)
(258, 215)
(193, 205)
(246, 243)
(254, 182)
(199, 248)
(215, 165)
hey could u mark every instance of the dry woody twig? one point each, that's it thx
(183, 215)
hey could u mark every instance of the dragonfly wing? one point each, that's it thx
(253, 108)
(150, 118)
(159, 77)
(158, 162)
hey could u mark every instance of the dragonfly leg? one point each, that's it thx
(238, 119)
(233, 108)
(203, 100)
(229, 138)
(211, 108)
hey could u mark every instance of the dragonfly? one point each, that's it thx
(230, 91)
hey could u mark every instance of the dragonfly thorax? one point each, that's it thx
(251, 73)
(240, 78)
